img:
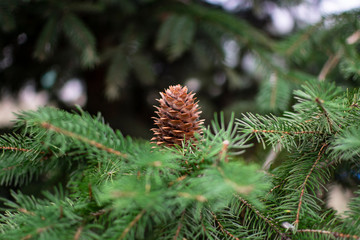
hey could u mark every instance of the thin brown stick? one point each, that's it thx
(273, 82)
(202, 223)
(90, 192)
(11, 167)
(268, 220)
(320, 103)
(305, 181)
(179, 179)
(81, 138)
(271, 157)
(179, 225)
(23, 210)
(78, 232)
(222, 229)
(39, 230)
(335, 234)
(131, 224)
(15, 149)
(330, 64)
(303, 38)
(285, 132)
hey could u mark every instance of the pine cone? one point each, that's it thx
(178, 117)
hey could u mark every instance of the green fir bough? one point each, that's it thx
(116, 187)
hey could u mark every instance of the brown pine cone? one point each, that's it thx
(178, 117)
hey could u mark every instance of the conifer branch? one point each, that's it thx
(320, 103)
(320, 154)
(335, 234)
(16, 149)
(23, 210)
(78, 232)
(131, 224)
(268, 220)
(238, 188)
(11, 167)
(82, 138)
(222, 229)
(180, 224)
(330, 64)
(38, 231)
(286, 132)
(304, 37)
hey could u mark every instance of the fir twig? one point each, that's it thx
(301, 39)
(330, 64)
(320, 103)
(131, 224)
(78, 232)
(16, 149)
(335, 234)
(286, 132)
(268, 220)
(320, 154)
(222, 229)
(179, 225)
(81, 138)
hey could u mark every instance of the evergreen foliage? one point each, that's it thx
(104, 185)
(117, 187)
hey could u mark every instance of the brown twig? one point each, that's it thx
(268, 220)
(82, 138)
(61, 212)
(179, 179)
(78, 232)
(271, 157)
(330, 64)
(223, 153)
(335, 234)
(132, 223)
(39, 230)
(271, 190)
(320, 103)
(15, 149)
(285, 132)
(222, 229)
(23, 210)
(11, 167)
(179, 225)
(90, 192)
(273, 82)
(303, 38)
(305, 182)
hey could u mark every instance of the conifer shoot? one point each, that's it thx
(178, 117)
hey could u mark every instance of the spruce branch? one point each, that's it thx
(78, 232)
(132, 224)
(303, 186)
(180, 224)
(326, 232)
(16, 149)
(82, 138)
(222, 229)
(320, 103)
(330, 64)
(271, 222)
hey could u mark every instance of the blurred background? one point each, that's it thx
(114, 56)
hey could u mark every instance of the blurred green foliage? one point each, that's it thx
(127, 51)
